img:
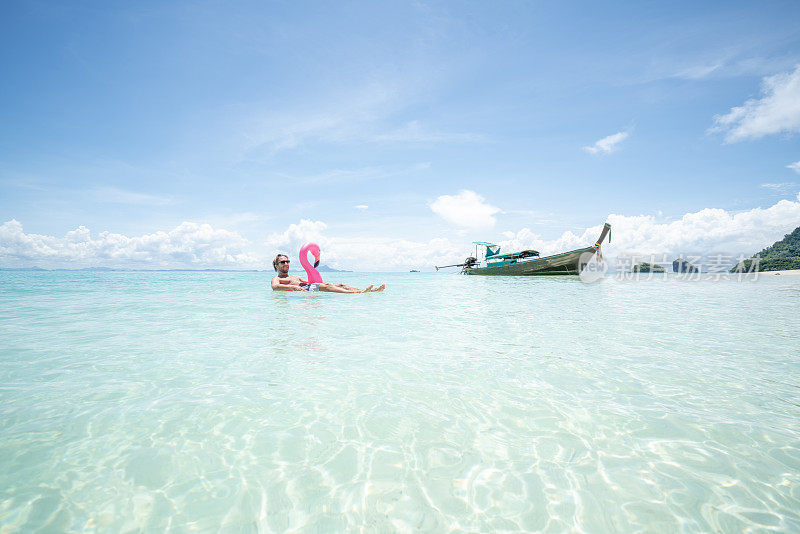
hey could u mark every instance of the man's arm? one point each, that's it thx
(278, 286)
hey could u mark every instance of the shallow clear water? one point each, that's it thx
(202, 401)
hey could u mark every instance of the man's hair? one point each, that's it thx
(275, 261)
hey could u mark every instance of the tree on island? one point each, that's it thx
(645, 267)
(680, 265)
(783, 255)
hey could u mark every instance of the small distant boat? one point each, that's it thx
(528, 262)
(413, 271)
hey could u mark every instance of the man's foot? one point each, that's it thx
(380, 287)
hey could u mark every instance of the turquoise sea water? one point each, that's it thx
(204, 402)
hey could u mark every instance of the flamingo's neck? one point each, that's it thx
(304, 260)
(313, 275)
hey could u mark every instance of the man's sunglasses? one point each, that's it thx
(283, 261)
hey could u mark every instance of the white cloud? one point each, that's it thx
(607, 144)
(187, 245)
(697, 72)
(794, 166)
(784, 187)
(467, 209)
(297, 234)
(778, 111)
(361, 207)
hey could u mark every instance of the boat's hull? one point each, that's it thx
(567, 263)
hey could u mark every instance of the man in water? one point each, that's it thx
(291, 282)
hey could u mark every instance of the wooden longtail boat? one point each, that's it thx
(528, 262)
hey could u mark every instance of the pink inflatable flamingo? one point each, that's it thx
(313, 275)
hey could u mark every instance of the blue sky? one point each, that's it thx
(409, 128)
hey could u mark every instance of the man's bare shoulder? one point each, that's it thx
(291, 279)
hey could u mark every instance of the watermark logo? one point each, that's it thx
(593, 267)
(636, 267)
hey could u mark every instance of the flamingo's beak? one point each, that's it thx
(316, 263)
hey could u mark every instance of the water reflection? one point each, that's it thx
(295, 322)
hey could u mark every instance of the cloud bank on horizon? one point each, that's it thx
(192, 245)
(187, 245)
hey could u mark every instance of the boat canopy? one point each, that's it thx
(493, 252)
(491, 248)
(516, 255)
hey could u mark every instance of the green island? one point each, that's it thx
(645, 267)
(783, 255)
